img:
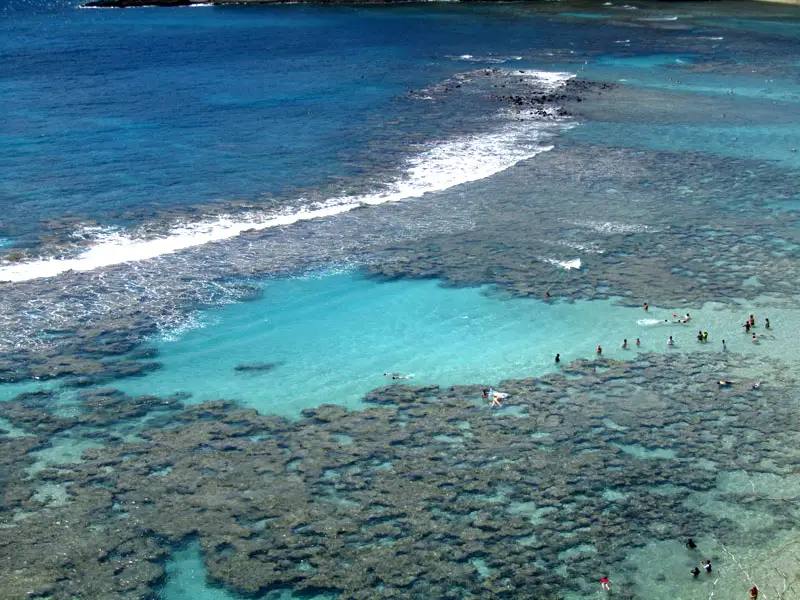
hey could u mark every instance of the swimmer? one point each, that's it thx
(391, 374)
(755, 338)
(547, 294)
(558, 358)
(605, 584)
(752, 321)
(707, 565)
(638, 342)
(756, 385)
(699, 336)
(724, 347)
(496, 397)
(670, 341)
(766, 326)
(705, 336)
(690, 544)
(747, 326)
(687, 318)
(695, 571)
(625, 343)
(599, 350)
(754, 593)
(485, 394)
(398, 376)
(646, 307)
(724, 383)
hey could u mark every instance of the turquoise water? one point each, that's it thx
(331, 338)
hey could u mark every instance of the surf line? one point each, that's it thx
(441, 167)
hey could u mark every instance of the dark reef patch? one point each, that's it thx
(426, 492)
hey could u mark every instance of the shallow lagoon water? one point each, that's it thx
(331, 338)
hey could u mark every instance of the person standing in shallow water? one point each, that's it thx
(625, 343)
(670, 341)
(695, 572)
(599, 350)
(766, 326)
(646, 308)
(754, 593)
(558, 358)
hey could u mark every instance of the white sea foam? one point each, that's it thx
(497, 60)
(436, 168)
(611, 226)
(587, 247)
(548, 79)
(567, 265)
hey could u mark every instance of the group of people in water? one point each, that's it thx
(605, 582)
(706, 564)
(702, 336)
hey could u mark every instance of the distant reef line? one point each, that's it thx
(143, 3)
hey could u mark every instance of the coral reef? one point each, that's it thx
(426, 492)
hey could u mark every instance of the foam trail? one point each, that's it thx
(438, 168)
(650, 322)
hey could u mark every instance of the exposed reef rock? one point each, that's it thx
(428, 493)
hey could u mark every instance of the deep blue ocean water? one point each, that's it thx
(162, 134)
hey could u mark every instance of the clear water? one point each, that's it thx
(332, 337)
(132, 123)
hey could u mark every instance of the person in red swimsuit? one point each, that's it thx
(605, 583)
